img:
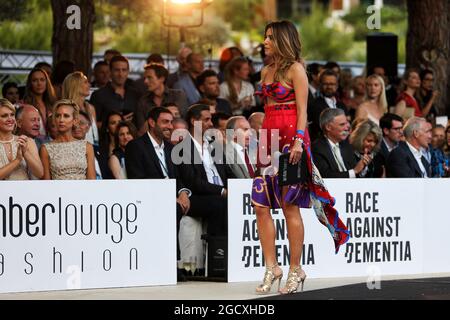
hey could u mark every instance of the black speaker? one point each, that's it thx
(382, 51)
(217, 257)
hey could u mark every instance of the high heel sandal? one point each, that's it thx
(269, 279)
(295, 277)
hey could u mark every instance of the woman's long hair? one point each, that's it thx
(381, 101)
(49, 96)
(71, 86)
(234, 65)
(287, 46)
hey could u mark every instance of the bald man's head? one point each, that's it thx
(28, 121)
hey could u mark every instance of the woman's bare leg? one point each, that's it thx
(295, 229)
(266, 233)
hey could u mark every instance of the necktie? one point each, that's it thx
(160, 153)
(251, 172)
(338, 158)
(426, 166)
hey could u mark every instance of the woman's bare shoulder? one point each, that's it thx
(297, 66)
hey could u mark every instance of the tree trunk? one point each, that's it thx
(73, 32)
(428, 44)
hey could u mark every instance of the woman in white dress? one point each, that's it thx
(19, 157)
(236, 89)
(67, 158)
(375, 104)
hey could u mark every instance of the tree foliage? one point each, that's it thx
(321, 41)
(12, 10)
(393, 20)
(32, 32)
(241, 14)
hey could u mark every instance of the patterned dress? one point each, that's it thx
(21, 172)
(281, 120)
(67, 160)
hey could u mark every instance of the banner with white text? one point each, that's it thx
(385, 218)
(57, 235)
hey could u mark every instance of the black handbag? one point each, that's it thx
(288, 173)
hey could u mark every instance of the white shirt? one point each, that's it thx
(211, 171)
(388, 146)
(247, 90)
(418, 156)
(240, 151)
(331, 102)
(313, 90)
(159, 149)
(351, 172)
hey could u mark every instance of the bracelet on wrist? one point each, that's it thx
(296, 138)
(300, 134)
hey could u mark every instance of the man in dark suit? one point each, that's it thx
(149, 157)
(239, 158)
(407, 160)
(332, 154)
(203, 170)
(327, 99)
(392, 127)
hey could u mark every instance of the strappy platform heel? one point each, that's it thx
(295, 277)
(269, 278)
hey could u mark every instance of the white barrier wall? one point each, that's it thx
(399, 226)
(436, 221)
(57, 235)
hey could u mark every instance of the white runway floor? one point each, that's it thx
(191, 290)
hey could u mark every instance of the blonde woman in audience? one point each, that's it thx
(76, 87)
(236, 89)
(125, 132)
(365, 140)
(66, 158)
(375, 104)
(19, 157)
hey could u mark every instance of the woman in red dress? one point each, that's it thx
(285, 93)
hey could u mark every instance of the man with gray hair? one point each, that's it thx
(332, 154)
(407, 160)
(256, 119)
(237, 148)
(29, 123)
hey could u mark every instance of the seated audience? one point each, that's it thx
(333, 155)
(365, 140)
(157, 95)
(67, 158)
(407, 105)
(236, 89)
(208, 85)
(407, 160)
(392, 128)
(326, 100)
(238, 157)
(375, 104)
(10, 91)
(19, 158)
(125, 132)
